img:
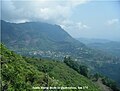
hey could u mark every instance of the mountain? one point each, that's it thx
(107, 46)
(112, 48)
(23, 73)
(45, 40)
(92, 40)
(37, 35)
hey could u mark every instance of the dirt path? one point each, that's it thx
(102, 86)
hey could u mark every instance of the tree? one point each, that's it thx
(81, 69)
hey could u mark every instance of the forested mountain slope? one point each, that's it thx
(22, 73)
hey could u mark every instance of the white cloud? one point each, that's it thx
(113, 21)
(68, 25)
(38, 10)
(74, 28)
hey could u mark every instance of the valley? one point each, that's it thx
(43, 40)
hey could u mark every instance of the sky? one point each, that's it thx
(80, 18)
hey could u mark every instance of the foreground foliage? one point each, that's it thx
(18, 75)
(22, 73)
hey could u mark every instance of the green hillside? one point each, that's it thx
(18, 75)
(21, 73)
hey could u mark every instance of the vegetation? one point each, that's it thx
(110, 83)
(81, 69)
(18, 75)
(106, 81)
(22, 73)
(108, 70)
(63, 73)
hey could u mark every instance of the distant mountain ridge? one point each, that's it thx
(108, 46)
(92, 40)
